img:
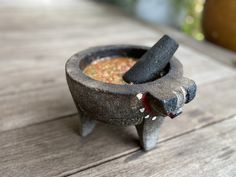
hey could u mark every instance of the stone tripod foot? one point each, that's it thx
(86, 124)
(118, 104)
(148, 131)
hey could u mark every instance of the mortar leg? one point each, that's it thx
(148, 132)
(86, 124)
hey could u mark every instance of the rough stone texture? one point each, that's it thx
(86, 124)
(120, 104)
(153, 62)
(148, 132)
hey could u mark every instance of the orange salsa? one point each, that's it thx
(109, 70)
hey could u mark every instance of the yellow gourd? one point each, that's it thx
(219, 22)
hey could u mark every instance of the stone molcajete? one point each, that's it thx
(142, 104)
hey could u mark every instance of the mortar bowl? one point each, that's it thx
(142, 105)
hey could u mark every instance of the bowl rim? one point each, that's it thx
(74, 71)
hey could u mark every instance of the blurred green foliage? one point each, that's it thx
(192, 21)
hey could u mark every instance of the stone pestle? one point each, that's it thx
(153, 62)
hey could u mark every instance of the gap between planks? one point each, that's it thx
(44, 102)
(68, 108)
(77, 173)
(220, 54)
(112, 145)
(17, 113)
(53, 120)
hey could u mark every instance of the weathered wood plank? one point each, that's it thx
(37, 41)
(51, 148)
(210, 152)
(60, 19)
(35, 45)
(29, 3)
(47, 97)
(22, 69)
(33, 87)
(55, 148)
(18, 110)
(32, 69)
(218, 53)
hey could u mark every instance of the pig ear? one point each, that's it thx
(170, 100)
(190, 87)
(162, 103)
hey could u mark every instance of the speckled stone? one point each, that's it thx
(119, 104)
(152, 63)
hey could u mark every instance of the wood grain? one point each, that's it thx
(55, 149)
(35, 106)
(37, 79)
(37, 39)
(36, 42)
(43, 94)
(210, 152)
(218, 53)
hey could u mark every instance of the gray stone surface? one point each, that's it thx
(125, 105)
(151, 65)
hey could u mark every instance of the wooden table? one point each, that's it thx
(38, 120)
